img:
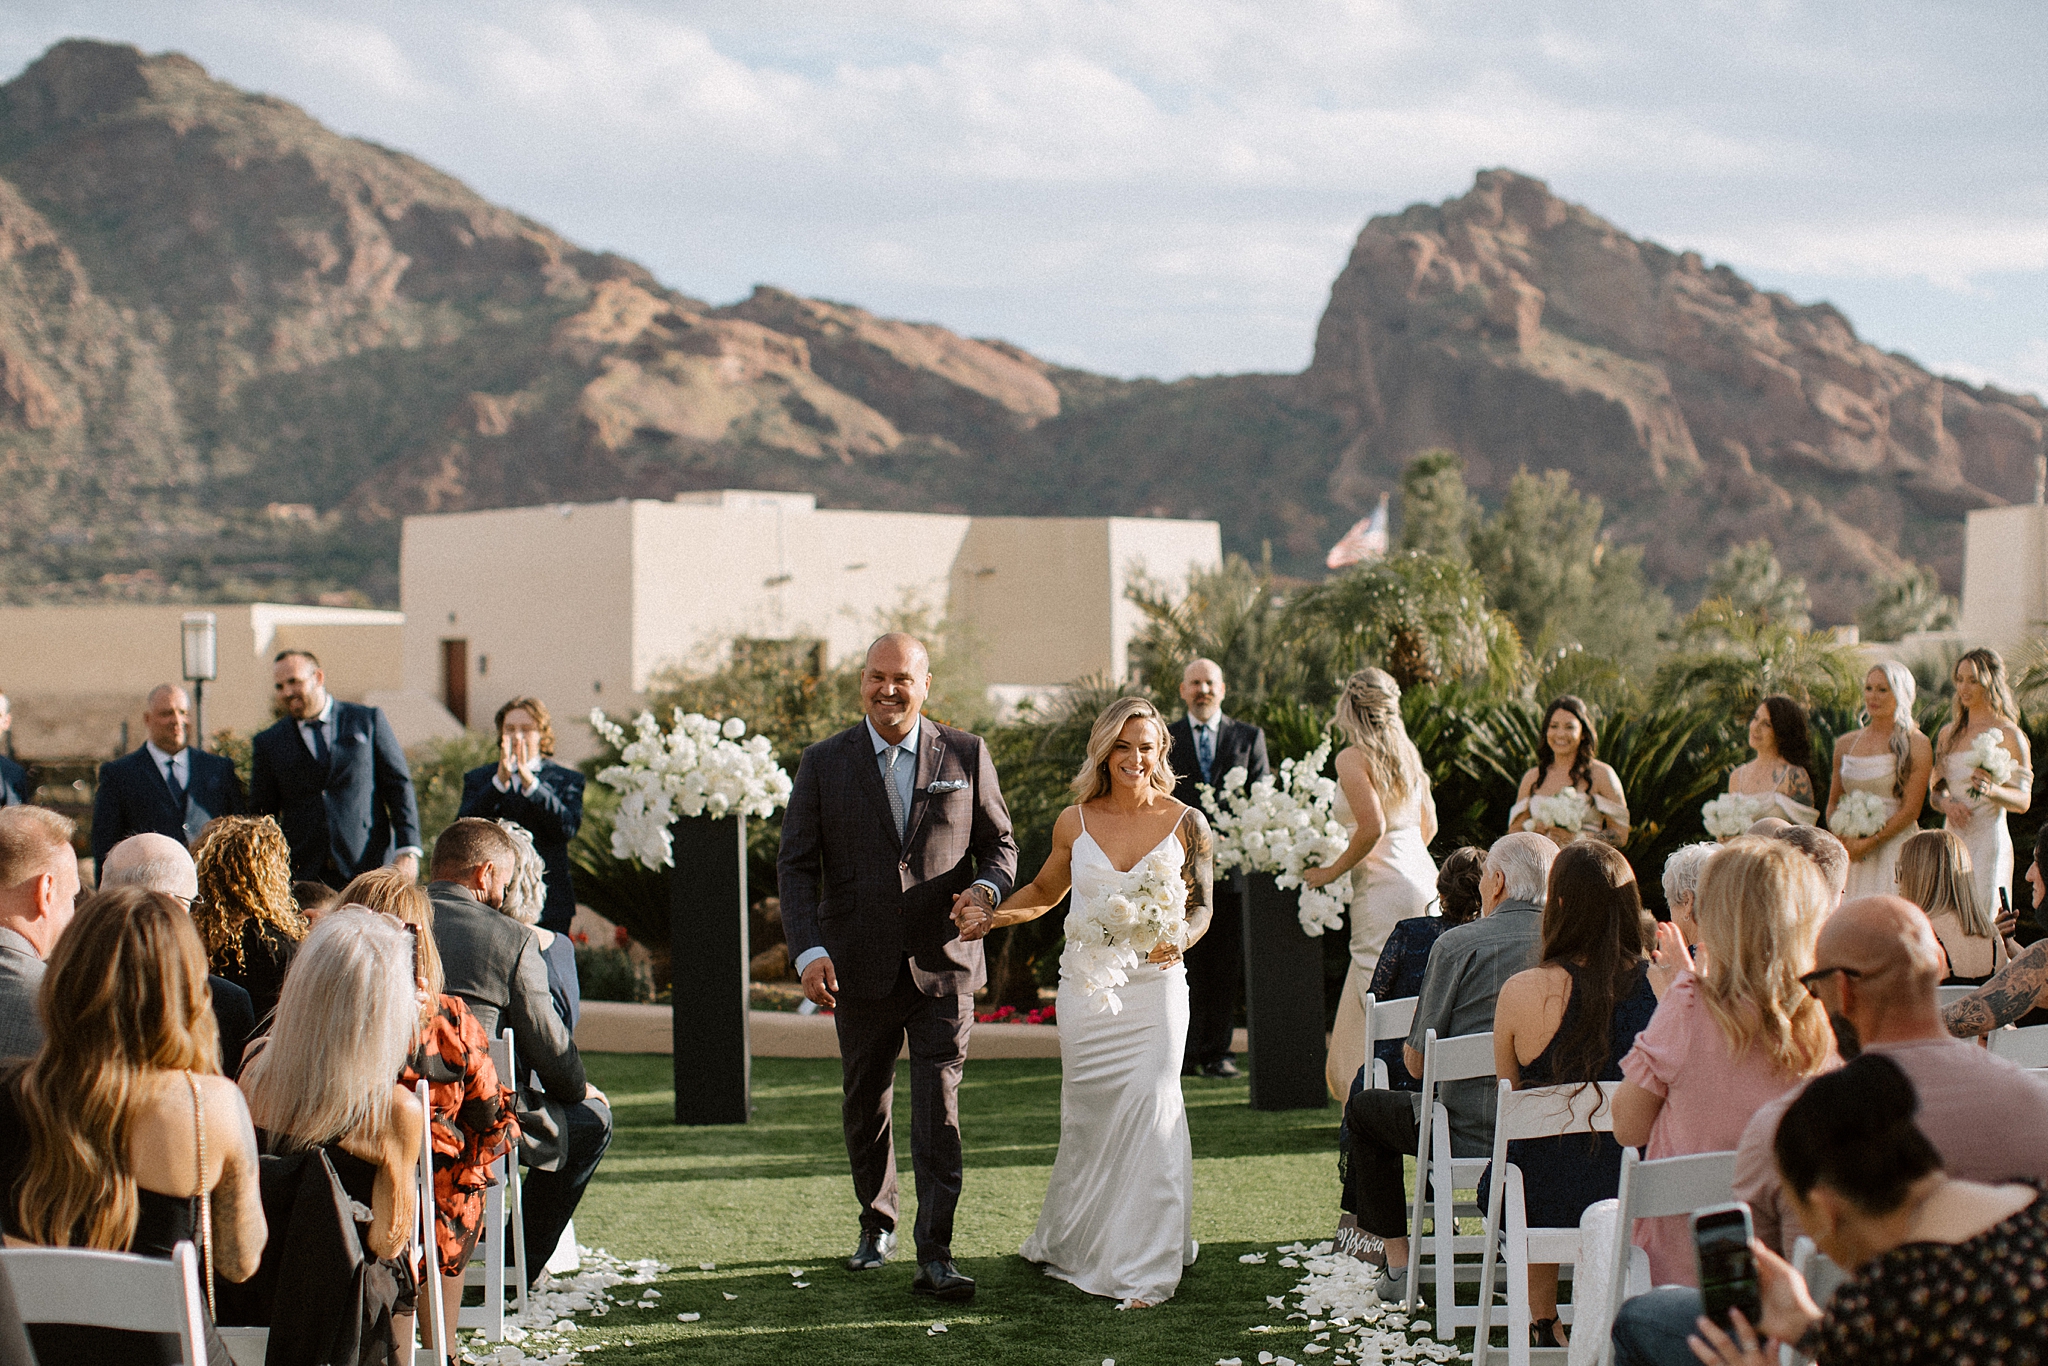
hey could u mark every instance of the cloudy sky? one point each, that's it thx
(1166, 187)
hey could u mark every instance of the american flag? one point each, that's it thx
(1367, 540)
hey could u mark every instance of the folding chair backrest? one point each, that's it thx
(1650, 1190)
(1460, 1058)
(428, 1251)
(2027, 1047)
(1384, 1020)
(1950, 995)
(503, 1058)
(112, 1290)
(1823, 1277)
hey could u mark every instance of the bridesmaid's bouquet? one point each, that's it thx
(1731, 813)
(1284, 825)
(697, 767)
(1860, 815)
(1109, 935)
(1991, 755)
(1566, 810)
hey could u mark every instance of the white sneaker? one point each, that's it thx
(1392, 1285)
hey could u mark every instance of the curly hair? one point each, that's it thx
(538, 710)
(245, 873)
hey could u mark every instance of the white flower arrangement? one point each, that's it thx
(1989, 753)
(1284, 826)
(698, 767)
(1565, 810)
(1860, 815)
(1119, 931)
(1731, 813)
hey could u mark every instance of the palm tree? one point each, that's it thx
(1733, 659)
(1423, 618)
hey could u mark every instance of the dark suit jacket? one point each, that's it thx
(551, 814)
(494, 964)
(13, 783)
(134, 799)
(352, 814)
(235, 1017)
(851, 888)
(1237, 742)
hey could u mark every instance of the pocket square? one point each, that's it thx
(947, 785)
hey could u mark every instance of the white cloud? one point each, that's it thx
(1950, 251)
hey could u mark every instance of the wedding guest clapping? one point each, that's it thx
(1569, 761)
(1888, 758)
(1975, 800)
(1935, 875)
(245, 911)
(1783, 745)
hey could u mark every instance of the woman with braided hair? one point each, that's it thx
(244, 910)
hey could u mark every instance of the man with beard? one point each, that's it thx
(1877, 968)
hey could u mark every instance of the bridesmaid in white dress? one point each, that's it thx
(1783, 744)
(1570, 759)
(1383, 798)
(1889, 757)
(1118, 1218)
(1974, 804)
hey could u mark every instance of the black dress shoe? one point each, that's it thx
(941, 1280)
(1222, 1067)
(875, 1247)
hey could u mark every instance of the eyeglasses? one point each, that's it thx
(1818, 975)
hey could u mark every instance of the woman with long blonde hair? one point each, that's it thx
(1736, 1035)
(245, 910)
(1975, 802)
(1383, 797)
(121, 1134)
(1889, 757)
(1935, 875)
(1118, 1215)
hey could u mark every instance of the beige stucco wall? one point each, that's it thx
(1032, 591)
(2005, 577)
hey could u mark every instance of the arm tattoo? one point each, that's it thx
(1799, 786)
(1198, 867)
(2003, 999)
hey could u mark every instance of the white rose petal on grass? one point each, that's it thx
(707, 1266)
(1253, 1259)
(729, 1295)
(1265, 1359)
(935, 1329)
(1276, 1301)
(1289, 1261)
(688, 1318)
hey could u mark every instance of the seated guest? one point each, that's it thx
(1568, 1021)
(1935, 875)
(324, 1077)
(1943, 1269)
(528, 788)
(525, 899)
(38, 884)
(1681, 880)
(166, 787)
(158, 863)
(1878, 974)
(2020, 988)
(1741, 1033)
(1466, 969)
(245, 910)
(1826, 850)
(494, 965)
(100, 1133)
(1403, 961)
(472, 1119)
(314, 899)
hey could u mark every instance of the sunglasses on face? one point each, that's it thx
(1819, 975)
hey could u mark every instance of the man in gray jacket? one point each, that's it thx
(38, 884)
(494, 964)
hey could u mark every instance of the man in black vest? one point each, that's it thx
(1206, 744)
(166, 787)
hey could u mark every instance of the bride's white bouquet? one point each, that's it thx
(1566, 810)
(698, 767)
(1990, 754)
(1284, 826)
(1860, 815)
(1731, 813)
(1110, 935)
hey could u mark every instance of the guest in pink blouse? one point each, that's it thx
(1724, 1044)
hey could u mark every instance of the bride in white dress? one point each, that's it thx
(1973, 801)
(1118, 1219)
(1890, 758)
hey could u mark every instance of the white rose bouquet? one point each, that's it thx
(1566, 810)
(1860, 815)
(1731, 813)
(1119, 931)
(1989, 753)
(1284, 826)
(698, 767)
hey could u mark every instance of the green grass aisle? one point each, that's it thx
(760, 1199)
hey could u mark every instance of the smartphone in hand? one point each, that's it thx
(1728, 1274)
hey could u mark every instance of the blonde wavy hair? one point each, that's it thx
(1093, 779)
(1369, 716)
(1899, 679)
(1760, 906)
(1989, 667)
(1935, 874)
(124, 996)
(394, 894)
(245, 873)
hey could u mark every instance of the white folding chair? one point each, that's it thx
(426, 1249)
(504, 1223)
(1384, 1020)
(1539, 1112)
(1950, 995)
(1823, 1277)
(1650, 1190)
(113, 1290)
(2027, 1047)
(1438, 1175)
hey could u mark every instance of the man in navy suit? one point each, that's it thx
(332, 774)
(165, 788)
(13, 777)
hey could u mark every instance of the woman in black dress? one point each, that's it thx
(245, 910)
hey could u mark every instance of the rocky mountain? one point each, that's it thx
(235, 347)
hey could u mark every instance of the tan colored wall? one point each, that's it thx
(1164, 551)
(1034, 593)
(2005, 577)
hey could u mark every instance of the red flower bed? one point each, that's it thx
(1044, 1015)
